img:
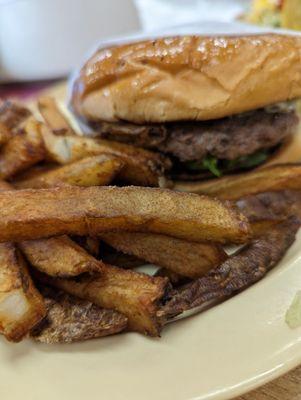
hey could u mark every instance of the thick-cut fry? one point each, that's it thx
(26, 148)
(33, 214)
(35, 170)
(53, 116)
(189, 259)
(174, 278)
(21, 306)
(59, 256)
(90, 243)
(240, 271)
(5, 186)
(13, 115)
(91, 171)
(70, 319)
(133, 294)
(142, 167)
(273, 178)
(5, 134)
(113, 257)
(264, 210)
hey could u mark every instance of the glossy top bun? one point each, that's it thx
(188, 78)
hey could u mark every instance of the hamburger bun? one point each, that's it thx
(289, 152)
(188, 78)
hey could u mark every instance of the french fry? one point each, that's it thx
(21, 305)
(133, 294)
(25, 149)
(5, 134)
(53, 116)
(33, 171)
(34, 214)
(91, 171)
(13, 115)
(142, 167)
(266, 209)
(5, 186)
(174, 278)
(113, 257)
(273, 178)
(90, 243)
(59, 256)
(239, 271)
(188, 259)
(70, 319)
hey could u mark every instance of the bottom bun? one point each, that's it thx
(289, 152)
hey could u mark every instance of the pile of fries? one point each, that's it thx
(69, 243)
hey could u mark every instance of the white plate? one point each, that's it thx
(219, 354)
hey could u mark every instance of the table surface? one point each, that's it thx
(287, 387)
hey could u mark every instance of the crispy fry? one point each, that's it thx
(91, 171)
(21, 306)
(53, 116)
(34, 171)
(70, 319)
(59, 256)
(33, 214)
(111, 256)
(273, 178)
(237, 273)
(24, 150)
(142, 167)
(188, 259)
(131, 293)
(90, 243)
(266, 209)
(5, 134)
(5, 186)
(175, 279)
(13, 115)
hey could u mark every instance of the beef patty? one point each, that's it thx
(226, 139)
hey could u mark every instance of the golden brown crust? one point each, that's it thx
(270, 179)
(133, 294)
(25, 149)
(186, 258)
(90, 171)
(33, 214)
(188, 78)
(59, 256)
(142, 167)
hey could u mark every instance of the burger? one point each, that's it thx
(215, 105)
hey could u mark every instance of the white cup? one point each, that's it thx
(44, 39)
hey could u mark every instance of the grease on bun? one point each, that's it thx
(214, 105)
(188, 78)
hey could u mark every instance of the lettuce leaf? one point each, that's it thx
(219, 167)
(208, 163)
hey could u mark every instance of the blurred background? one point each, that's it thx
(42, 40)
